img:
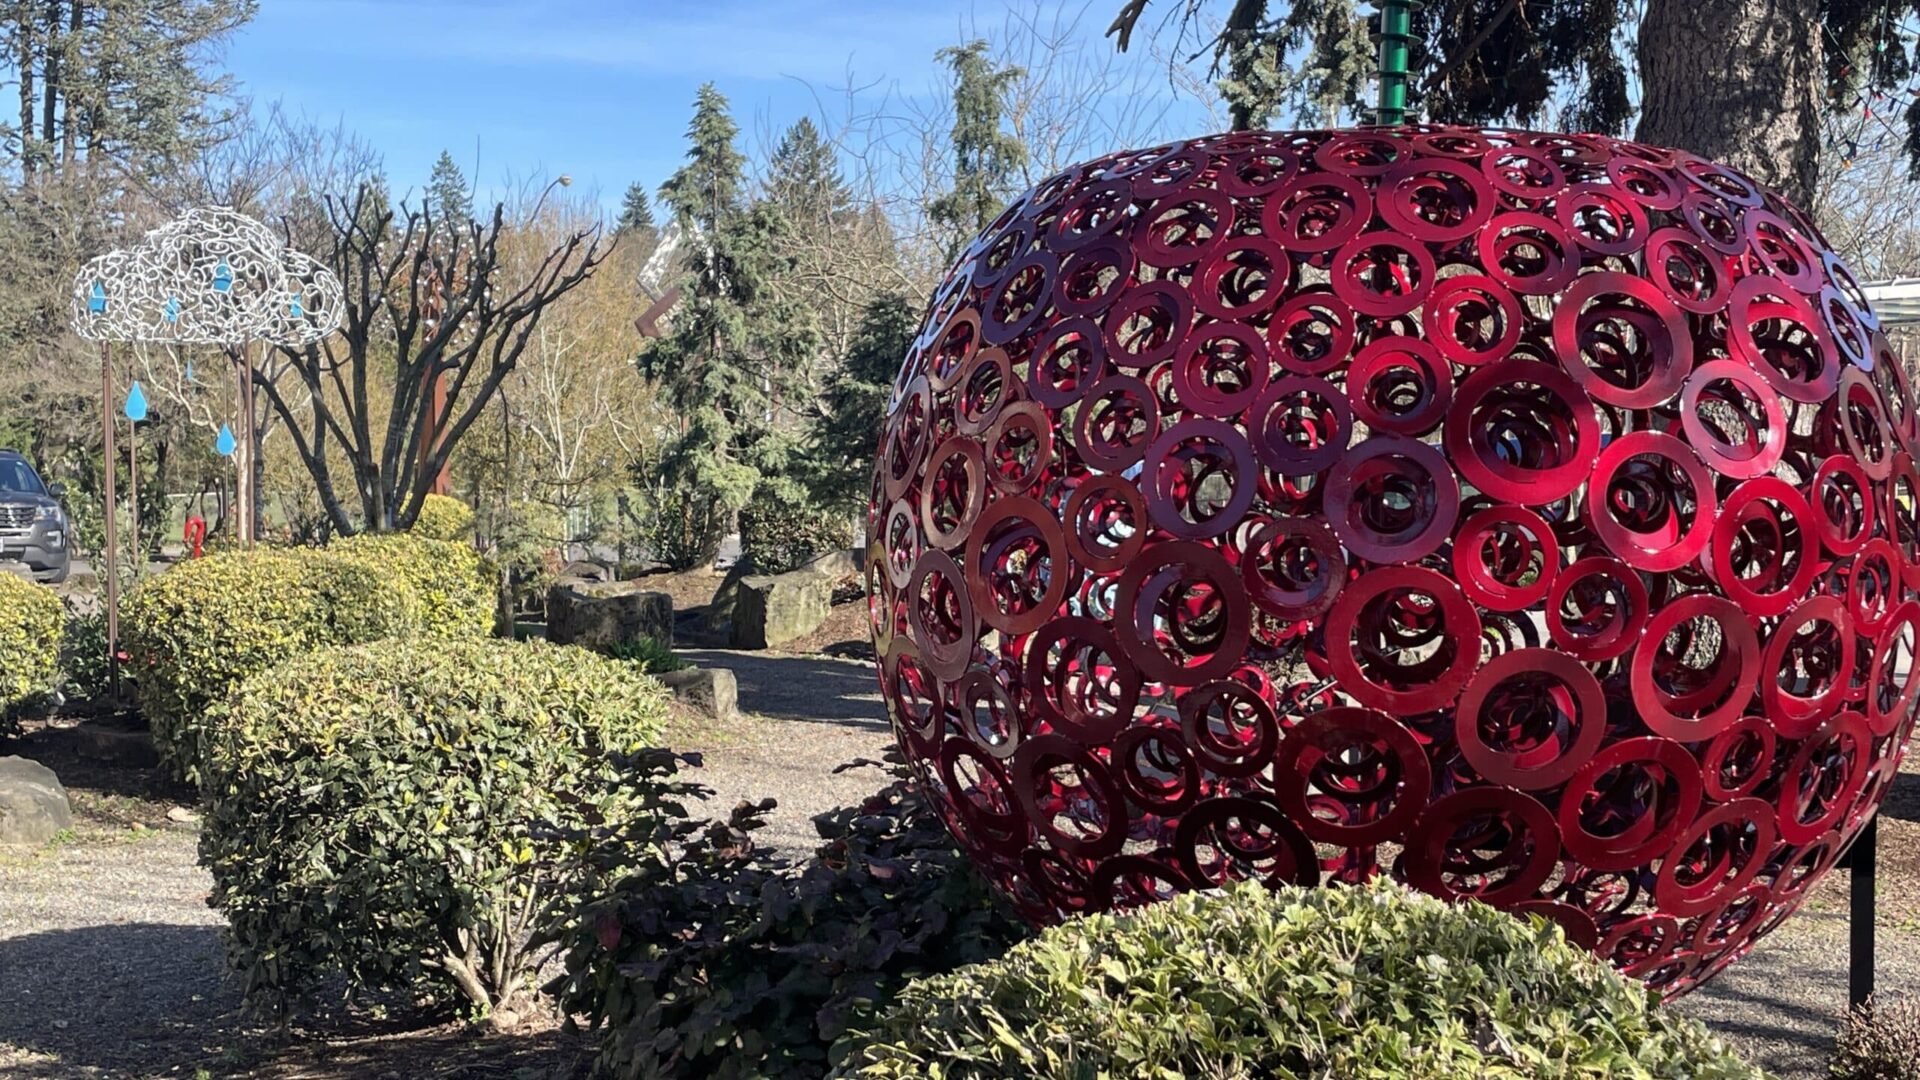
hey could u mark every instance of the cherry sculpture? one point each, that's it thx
(1530, 517)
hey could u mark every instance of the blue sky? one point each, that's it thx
(599, 89)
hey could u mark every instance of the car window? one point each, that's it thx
(16, 475)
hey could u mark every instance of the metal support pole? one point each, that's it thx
(253, 446)
(110, 509)
(1396, 19)
(1860, 914)
(133, 495)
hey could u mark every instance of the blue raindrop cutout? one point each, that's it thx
(97, 298)
(225, 443)
(190, 377)
(294, 309)
(173, 309)
(136, 408)
(222, 277)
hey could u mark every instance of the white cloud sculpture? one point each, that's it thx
(212, 276)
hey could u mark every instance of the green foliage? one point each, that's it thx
(986, 159)
(1879, 1041)
(86, 672)
(700, 956)
(195, 631)
(650, 655)
(734, 351)
(448, 198)
(444, 582)
(443, 517)
(636, 212)
(1355, 982)
(845, 441)
(198, 629)
(390, 812)
(32, 620)
(783, 534)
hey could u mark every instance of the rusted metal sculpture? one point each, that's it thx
(1531, 517)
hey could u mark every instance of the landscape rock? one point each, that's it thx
(33, 805)
(838, 565)
(774, 609)
(712, 692)
(603, 615)
(587, 571)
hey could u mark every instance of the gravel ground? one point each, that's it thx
(115, 925)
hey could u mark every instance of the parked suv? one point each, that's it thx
(33, 527)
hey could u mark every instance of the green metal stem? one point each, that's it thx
(1396, 19)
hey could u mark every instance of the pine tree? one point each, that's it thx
(448, 198)
(803, 179)
(986, 159)
(636, 211)
(732, 349)
(842, 444)
(125, 78)
(1748, 82)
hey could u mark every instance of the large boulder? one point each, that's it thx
(33, 805)
(606, 614)
(771, 610)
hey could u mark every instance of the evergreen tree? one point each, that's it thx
(448, 198)
(803, 179)
(126, 78)
(1748, 82)
(729, 357)
(636, 211)
(986, 159)
(843, 443)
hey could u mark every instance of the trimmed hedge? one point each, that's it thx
(1357, 982)
(443, 517)
(451, 593)
(391, 812)
(32, 621)
(195, 631)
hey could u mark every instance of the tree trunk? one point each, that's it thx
(75, 24)
(50, 96)
(25, 59)
(1737, 81)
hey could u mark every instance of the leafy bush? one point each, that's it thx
(452, 593)
(651, 655)
(1366, 981)
(1879, 1041)
(85, 668)
(702, 956)
(443, 518)
(195, 631)
(392, 812)
(781, 535)
(32, 620)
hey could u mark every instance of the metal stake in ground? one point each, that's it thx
(111, 550)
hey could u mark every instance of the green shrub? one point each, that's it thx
(391, 812)
(32, 620)
(1368, 981)
(85, 668)
(651, 655)
(452, 594)
(1879, 1041)
(195, 631)
(782, 535)
(699, 956)
(443, 518)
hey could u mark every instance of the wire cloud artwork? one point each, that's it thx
(212, 276)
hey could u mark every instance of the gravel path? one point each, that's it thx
(117, 930)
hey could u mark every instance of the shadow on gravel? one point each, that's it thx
(129, 1000)
(1903, 798)
(812, 688)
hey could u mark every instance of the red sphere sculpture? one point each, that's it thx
(1530, 517)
